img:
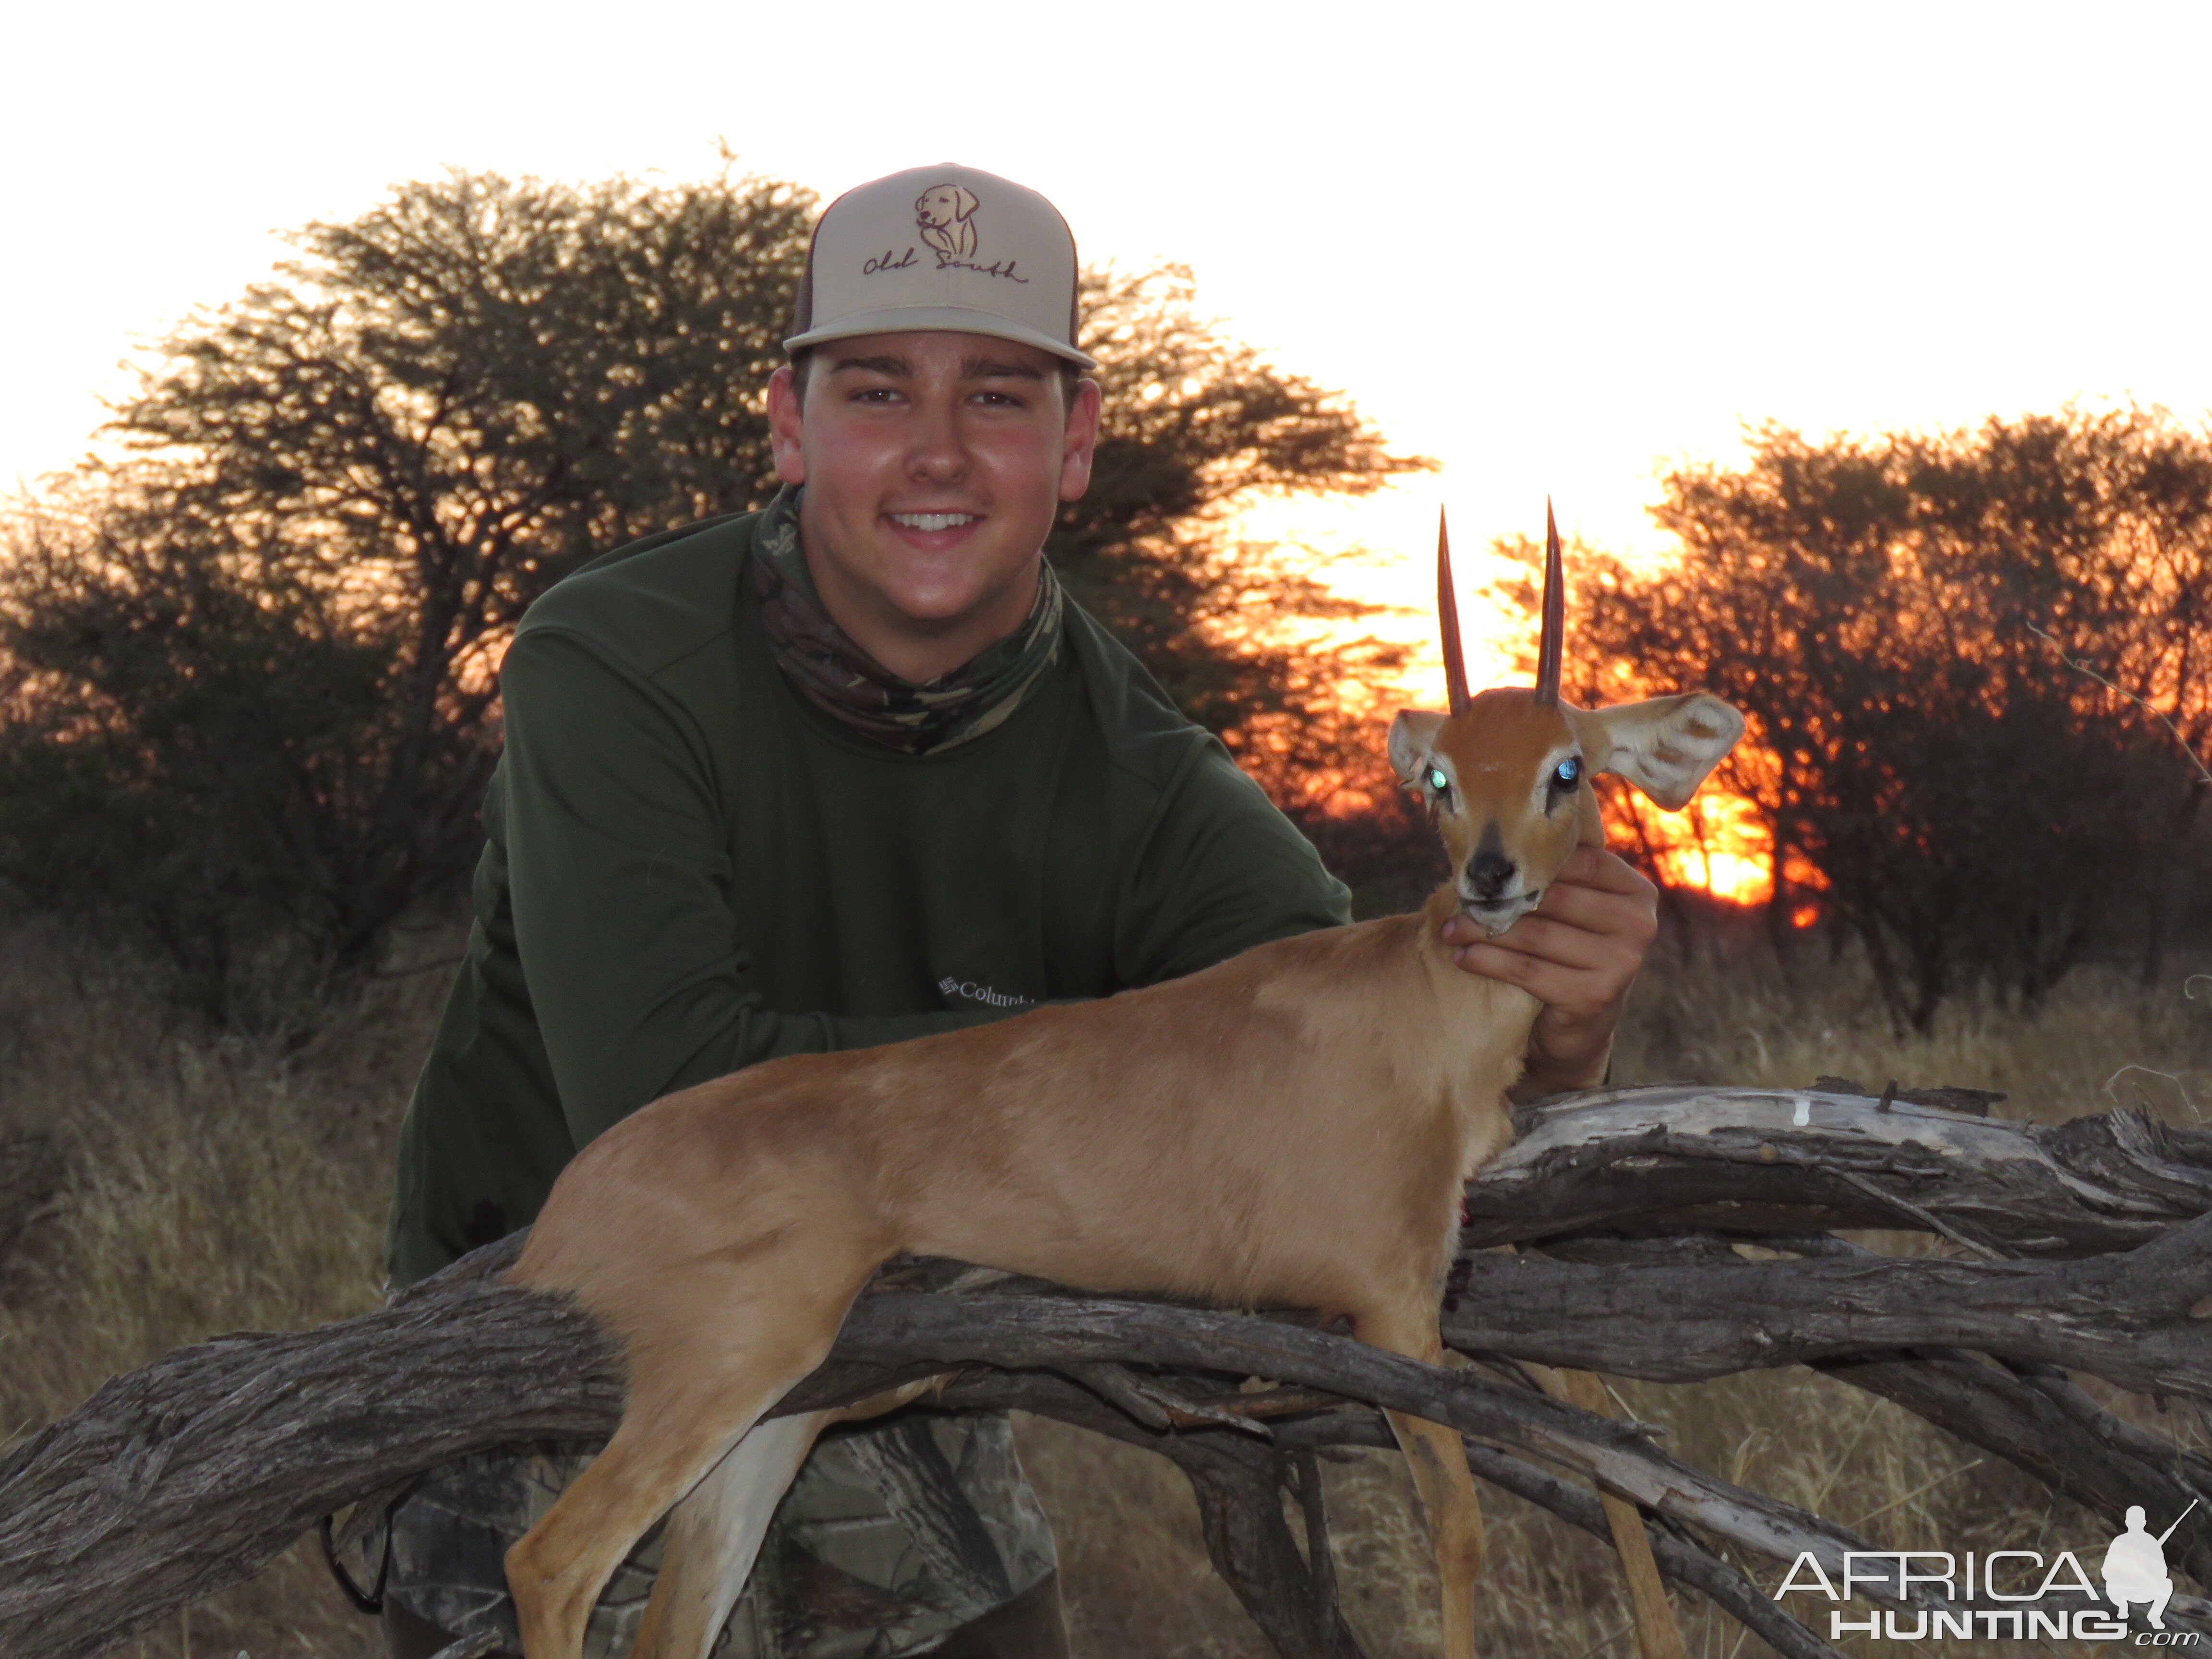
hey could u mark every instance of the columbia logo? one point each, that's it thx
(969, 991)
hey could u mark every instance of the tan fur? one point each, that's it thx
(715, 1532)
(1292, 1126)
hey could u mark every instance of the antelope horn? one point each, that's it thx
(1555, 615)
(1448, 614)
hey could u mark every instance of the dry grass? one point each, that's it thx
(214, 1185)
(224, 1184)
(1733, 1012)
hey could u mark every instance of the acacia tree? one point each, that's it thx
(252, 694)
(1977, 812)
(250, 687)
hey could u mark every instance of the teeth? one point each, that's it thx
(933, 520)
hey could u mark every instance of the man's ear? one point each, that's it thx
(784, 422)
(1079, 443)
(1665, 747)
(1412, 740)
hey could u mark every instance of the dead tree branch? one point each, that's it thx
(1751, 1161)
(187, 1475)
(2126, 1318)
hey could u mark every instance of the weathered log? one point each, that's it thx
(1683, 1157)
(1027, 1332)
(1681, 1557)
(186, 1476)
(141, 1501)
(177, 1479)
(2029, 1413)
(2128, 1317)
(2038, 1420)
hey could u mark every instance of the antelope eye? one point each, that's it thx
(1568, 773)
(1438, 780)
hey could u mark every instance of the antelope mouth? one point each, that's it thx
(1494, 916)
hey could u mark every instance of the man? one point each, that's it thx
(847, 770)
(2134, 1568)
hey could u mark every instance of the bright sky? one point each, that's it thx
(1552, 246)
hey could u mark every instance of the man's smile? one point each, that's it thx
(933, 521)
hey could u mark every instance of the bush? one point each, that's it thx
(1928, 770)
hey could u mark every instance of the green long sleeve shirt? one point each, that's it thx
(688, 869)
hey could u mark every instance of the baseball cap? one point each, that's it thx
(943, 247)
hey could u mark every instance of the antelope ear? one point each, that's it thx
(1412, 740)
(1665, 747)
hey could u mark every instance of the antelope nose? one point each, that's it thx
(1487, 872)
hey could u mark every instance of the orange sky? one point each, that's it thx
(1552, 246)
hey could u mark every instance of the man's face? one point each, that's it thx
(933, 465)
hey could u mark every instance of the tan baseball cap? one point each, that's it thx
(942, 247)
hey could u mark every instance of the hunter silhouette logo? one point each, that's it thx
(946, 214)
(2135, 1566)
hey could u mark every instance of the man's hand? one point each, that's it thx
(1577, 953)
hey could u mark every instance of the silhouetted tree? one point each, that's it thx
(192, 744)
(252, 688)
(1977, 811)
(250, 669)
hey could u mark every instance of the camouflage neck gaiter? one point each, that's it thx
(837, 676)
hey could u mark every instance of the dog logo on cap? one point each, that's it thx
(946, 214)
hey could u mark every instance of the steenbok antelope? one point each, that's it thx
(1292, 1126)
